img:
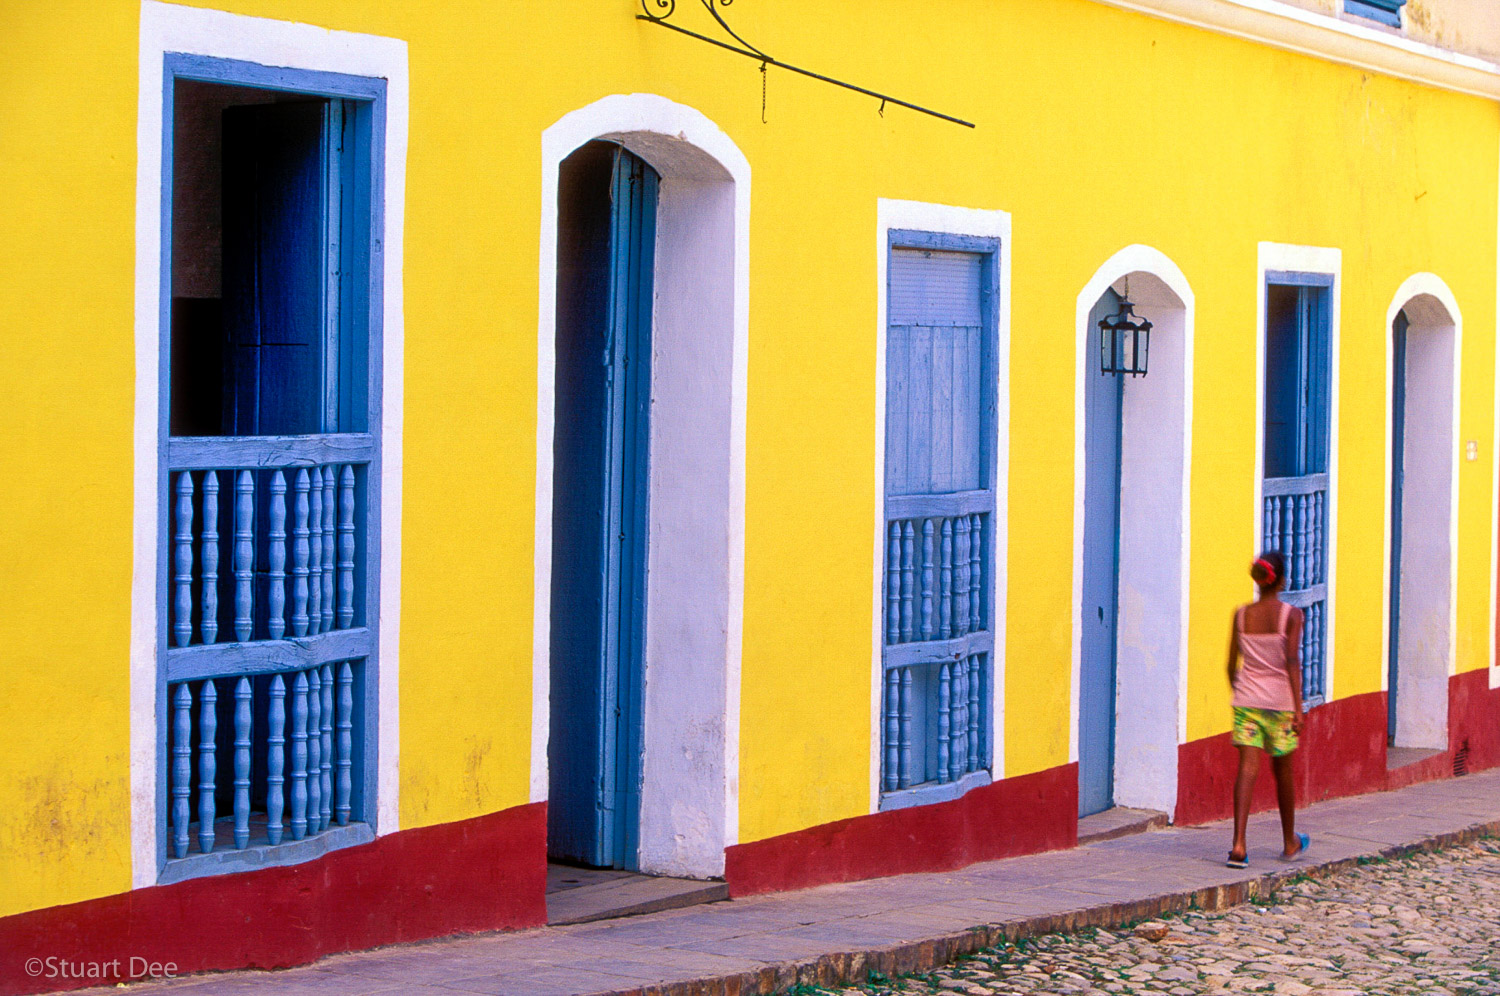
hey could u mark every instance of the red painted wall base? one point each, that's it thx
(1343, 752)
(1021, 815)
(488, 873)
(1474, 719)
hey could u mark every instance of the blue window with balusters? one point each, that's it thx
(1386, 12)
(940, 469)
(269, 465)
(1294, 488)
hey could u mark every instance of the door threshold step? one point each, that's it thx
(1401, 757)
(1119, 821)
(578, 895)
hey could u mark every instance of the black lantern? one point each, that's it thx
(1124, 342)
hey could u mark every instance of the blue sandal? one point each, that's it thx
(1303, 840)
(1234, 862)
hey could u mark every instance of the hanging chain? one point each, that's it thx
(763, 93)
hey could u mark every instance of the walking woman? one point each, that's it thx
(1265, 672)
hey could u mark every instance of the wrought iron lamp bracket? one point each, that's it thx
(660, 12)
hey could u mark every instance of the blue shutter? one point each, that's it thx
(940, 502)
(274, 267)
(1384, 11)
(935, 367)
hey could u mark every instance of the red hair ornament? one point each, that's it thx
(1265, 565)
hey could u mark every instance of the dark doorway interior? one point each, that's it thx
(606, 245)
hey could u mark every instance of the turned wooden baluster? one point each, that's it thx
(208, 598)
(892, 728)
(1271, 528)
(945, 602)
(300, 552)
(978, 716)
(1320, 567)
(346, 548)
(242, 693)
(182, 767)
(908, 556)
(929, 579)
(182, 562)
(945, 695)
(314, 749)
(961, 576)
(315, 551)
(299, 757)
(329, 534)
(976, 574)
(958, 723)
(1304, 533)
(325, 749)
(904, 776)
(244, 554)
(208, 726)
(345, 784)
(276, 760)
(1288, 542)
(276, 599)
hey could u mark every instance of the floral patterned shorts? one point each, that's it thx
(1266, 728)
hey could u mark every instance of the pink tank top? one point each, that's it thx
(1261, 682)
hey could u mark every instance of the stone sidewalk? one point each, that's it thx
(840, 933)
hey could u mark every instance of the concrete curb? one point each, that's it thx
(843, 968)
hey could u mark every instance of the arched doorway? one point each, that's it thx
(635, 726)
(1131, 501)
(1422, 434)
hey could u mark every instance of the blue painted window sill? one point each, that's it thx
(926, 795)
(288, 852)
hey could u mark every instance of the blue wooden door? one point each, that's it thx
(1294, 513)
(1103, 399)
(276, 266)
(1398, 461)
(606, 243)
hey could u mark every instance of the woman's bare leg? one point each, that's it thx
(1244, 784)
(1286, 794)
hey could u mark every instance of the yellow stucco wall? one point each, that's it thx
(1097, 129)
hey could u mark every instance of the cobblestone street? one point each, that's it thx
(1428, 923)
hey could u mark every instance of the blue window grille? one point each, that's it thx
(941, 427)
(1383, 11)
(1294, 492)
(269, 466)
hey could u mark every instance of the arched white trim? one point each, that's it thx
(1329, 262)
(946, 220)
(1431, 310)
(703, 215)
(1167, 299)
(172, 28)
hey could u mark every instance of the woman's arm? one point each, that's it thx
(1294, 665)
(1234, 647)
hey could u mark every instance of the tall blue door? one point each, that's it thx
(1103, 398)
(606, 243)
(1398, 476)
